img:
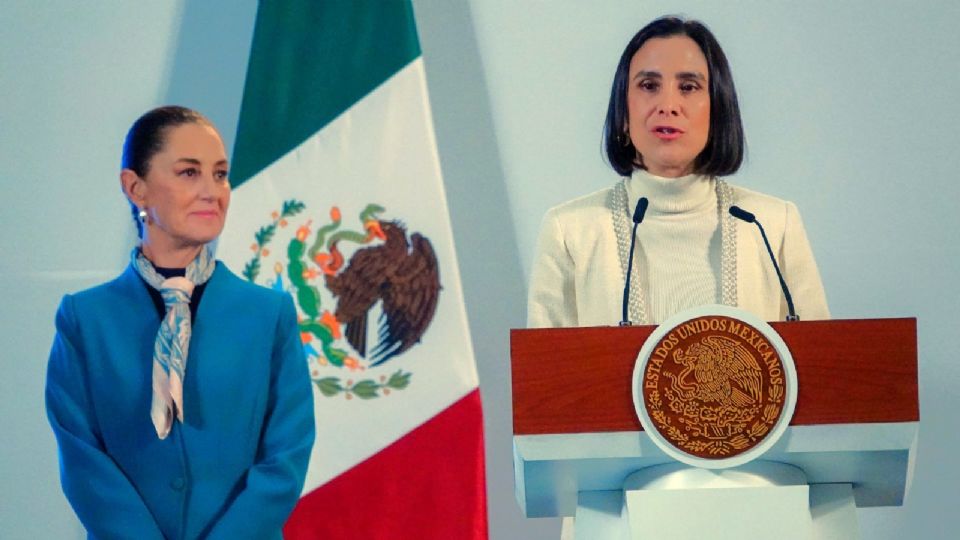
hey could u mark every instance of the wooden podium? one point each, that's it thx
(576, 432)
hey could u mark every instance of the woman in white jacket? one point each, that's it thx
(672, 131)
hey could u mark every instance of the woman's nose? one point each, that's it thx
(669, 104)
(208, 187)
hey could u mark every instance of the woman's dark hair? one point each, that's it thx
(146, 138)
(724, 151)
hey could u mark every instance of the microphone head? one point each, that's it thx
(640, 210)
(742, 214)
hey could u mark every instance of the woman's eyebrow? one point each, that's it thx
(695, 75)
(642, 74)
(192, 161)
(195, 161)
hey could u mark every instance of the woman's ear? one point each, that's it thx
(133, 187)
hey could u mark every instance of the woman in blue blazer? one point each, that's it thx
(152, 445)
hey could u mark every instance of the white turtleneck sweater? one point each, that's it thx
(577, 279)
(678, 244)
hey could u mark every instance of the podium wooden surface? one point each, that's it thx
(576, 430)
(576, 380)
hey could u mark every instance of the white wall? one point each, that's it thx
(850, 110)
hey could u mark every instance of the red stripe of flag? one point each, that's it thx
(429, 484)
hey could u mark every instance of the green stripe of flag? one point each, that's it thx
(311, 60)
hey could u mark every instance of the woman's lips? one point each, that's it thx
(206, 214)
(666, 133)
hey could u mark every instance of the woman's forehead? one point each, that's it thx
(668, 56)
(193, 140)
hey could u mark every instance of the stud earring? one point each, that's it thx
(142, 214)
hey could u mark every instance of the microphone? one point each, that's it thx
(748, 217)
(638, 214)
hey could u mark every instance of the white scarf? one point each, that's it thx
(173, 337)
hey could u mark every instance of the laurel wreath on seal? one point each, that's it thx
(313, 326)
(751, 434)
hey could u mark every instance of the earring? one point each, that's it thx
(142, 214)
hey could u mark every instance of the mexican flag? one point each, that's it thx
(338, 199)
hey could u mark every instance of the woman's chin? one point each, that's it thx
(197, 238)
(206, 239)
(207, 233)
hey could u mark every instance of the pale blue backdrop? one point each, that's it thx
(850, 108)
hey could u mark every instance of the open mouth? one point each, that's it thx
(666, 130)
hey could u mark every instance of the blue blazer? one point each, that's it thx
(235, 467)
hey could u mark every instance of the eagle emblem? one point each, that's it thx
(402, 274)
(341, 278)
(724, 373)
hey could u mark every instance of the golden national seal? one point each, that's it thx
(714, 386)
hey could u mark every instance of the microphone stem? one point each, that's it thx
(625, 321)
(792, 314)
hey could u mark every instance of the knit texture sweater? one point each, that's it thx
(677, 258)
(577, 280)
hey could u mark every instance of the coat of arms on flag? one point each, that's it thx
(340, 279)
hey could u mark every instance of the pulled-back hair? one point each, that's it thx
(146, 138)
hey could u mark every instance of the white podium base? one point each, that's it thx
(760, 500)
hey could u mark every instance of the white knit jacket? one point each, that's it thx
(577, 280)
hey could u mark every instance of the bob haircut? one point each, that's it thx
(724, 150)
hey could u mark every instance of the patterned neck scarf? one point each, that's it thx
(173, 338)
